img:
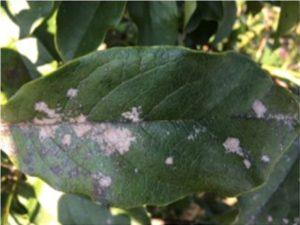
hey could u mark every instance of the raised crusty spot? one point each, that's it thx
(7, 143)
(82, 129)
(79, 119)
(232, 145)
(134, 114)
(46, 121)
(112, 139)
(101, 182)
(265, 158)
(195, 132)
(47, 131)
(270, 219)
(259, 108)
(43, 107)
(169, 160)
(66, 140)
(247, 163)
(72, 93)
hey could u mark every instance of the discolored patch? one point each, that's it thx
(134, 114)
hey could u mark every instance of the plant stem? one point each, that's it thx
(6, 208)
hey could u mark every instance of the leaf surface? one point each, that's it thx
(155, 123)
(276, 201)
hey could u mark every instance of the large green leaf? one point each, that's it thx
(276, 202)
(157, 21)
(155, 123)
(81, 26)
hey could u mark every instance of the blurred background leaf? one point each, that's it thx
(88, 22)
(28, 14)
(16, 70)
(157, 21)
(289, 17)
(75, 209)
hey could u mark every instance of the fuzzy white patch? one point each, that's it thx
(79, 119)
(112, 139)
(134, 114)
(66, 140)
(196, 131)
(46, 121)
(169, 160)
(82, 129)
(287, 120)
(105, 181)
(43, 107)
(7, 143)
(72, 93)
(270, 219)
(47, 131)
(247, 163)
(102, 180)
(232, 145)
(117, 139)
(265, 158)
(285, 220)
(259, 108)
(136, 170)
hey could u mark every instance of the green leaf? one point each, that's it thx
(45, 34)
(289, 16)
(157, 21)
(155, 123)
(81, 26)
(29, 14)
(206, 10)
(226, 23)
(189, 9)
(16, 70)
(74, 209)
(222, 12)
(254, 7)
(276, 201)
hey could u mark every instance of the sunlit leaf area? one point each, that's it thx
(150, 112)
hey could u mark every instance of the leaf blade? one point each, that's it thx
(186, 120)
